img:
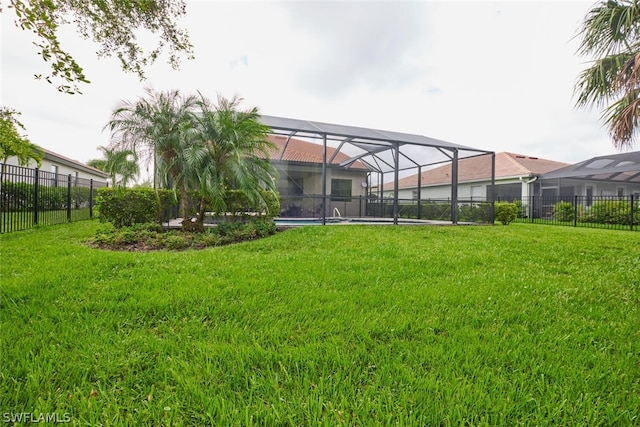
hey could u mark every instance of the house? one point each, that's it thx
(299, 165)
(515, 178)
(58, 168)
(615, 175)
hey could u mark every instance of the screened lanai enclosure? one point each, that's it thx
(601, 191)
(337, 173)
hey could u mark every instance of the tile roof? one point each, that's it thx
(479, 168)
(298, 150)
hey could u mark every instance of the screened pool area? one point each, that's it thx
(337, 174)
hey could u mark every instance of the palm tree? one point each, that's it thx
(230, 150)
(157, 127)
(122, 166)
(611, 33)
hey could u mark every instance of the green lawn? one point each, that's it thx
(339, 325)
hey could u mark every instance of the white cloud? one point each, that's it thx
(493, 75)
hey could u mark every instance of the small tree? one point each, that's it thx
(12, 144)
(158, 127)
(506, 212)
(229, 151)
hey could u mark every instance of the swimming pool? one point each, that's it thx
(298, 222)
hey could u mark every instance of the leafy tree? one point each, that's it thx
(113, 24)
(122, 166)
(611, 33)
(157, 127)
(12, 144)
(229, 151)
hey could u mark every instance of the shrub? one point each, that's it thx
(435, 211)
(16, 196)
(609, 212)
(506, 212)
(477, 212)
(176, 241)
(264, 227)
(408, 211)
(239, 206)
(563, 211)
(52, 198)
(523, 208)
(127, 206)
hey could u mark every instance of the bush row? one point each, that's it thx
(19, 197)
(617, 212)
(474, 212)
(127, 206)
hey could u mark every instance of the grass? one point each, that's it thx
(343, 325)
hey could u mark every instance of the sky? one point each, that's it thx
(491, 75)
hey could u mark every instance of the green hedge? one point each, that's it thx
(239, 206)
(18, 197)
(563, 211)
(124, 207)
(617, 212)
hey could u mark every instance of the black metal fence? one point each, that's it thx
(30, 197)
(613, 212)
(310, 206)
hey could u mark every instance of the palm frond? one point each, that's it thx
(623, 120)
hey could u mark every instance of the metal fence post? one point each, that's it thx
(575, 210)
(533, 208)
(631, 213)
(36, 190)
(91, 198)
(69, 197)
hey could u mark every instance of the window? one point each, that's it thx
(620, 192)
(340, 190)
(476, 192)
(505, 192)
(589, 200)
(54, 175)
(414, 194)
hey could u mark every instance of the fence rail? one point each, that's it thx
(30, 197)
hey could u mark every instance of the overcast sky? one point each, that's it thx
(491, 75)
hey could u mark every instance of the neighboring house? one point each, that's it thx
(299, 166)
(58, 168)
(611, 175)
(515, 178)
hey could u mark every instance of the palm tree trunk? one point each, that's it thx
(184, 208)
(200, 219)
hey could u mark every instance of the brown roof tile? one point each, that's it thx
(298, 150)
(479, 168)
